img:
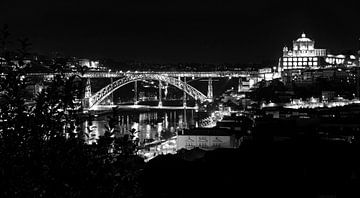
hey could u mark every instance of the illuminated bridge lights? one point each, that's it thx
(118, 74)
(128, 78)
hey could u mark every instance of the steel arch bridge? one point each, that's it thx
(106, 91)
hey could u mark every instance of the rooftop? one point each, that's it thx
(303, 38)
(207, 132)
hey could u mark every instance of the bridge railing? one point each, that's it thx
(119, 74)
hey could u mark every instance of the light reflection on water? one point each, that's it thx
(149, 124)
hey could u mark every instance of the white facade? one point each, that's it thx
(303, 55)
(206, 142)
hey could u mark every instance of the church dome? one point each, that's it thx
(303, 38)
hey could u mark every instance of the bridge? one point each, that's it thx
(119, 74)
(177, 79)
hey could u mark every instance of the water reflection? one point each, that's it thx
(150, 125)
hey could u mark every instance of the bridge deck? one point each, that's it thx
(210, 74)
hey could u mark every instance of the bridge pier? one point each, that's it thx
(112, 94)
(160, 95)
(166, 90)
(210, 93)
(135, 93)
(184, 104)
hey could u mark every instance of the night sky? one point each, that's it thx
(160, 31)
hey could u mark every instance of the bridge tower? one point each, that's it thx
(88, 88)
(86, 102)
(240, 84)
(210, 93)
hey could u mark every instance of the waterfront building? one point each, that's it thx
(206, 138)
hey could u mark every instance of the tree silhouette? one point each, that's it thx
(42, 150)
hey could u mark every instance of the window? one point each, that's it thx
(285, 59)
(300, 63)
(299, 59)
(285, 63)
(304, 63)
(290, 59)
(315, 63)
(203, 145)
(295, 63)
(290, 63)
(216, 145)
(315, 59)
(310, 63)
(304, 59)
(295, 59)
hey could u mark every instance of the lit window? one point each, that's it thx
(290, 63)
(300, 63)
(295, 59)
(304, 63)
(310, 63)
(285, 59)
(304, 59)
(315, 59)
(285, 63)
(299, 59)
(315, 63)
(290, 59)
(295, 63)
(310, 59)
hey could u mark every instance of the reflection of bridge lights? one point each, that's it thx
(159, 127)
(135, 126)
(148, 131)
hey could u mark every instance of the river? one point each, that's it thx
(150, 124)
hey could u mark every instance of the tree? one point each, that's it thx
(42, 150)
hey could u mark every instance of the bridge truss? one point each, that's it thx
(106, 91)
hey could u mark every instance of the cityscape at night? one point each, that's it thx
(180, 99)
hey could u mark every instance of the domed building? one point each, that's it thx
(302, 56)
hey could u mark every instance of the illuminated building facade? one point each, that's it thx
(302, 56)
(206, 138)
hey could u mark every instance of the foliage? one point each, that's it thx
(268, 92)
(42, 150)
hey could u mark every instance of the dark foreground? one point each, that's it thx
(291, 168)
(284, 169)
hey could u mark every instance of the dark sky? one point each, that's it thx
(201, 31)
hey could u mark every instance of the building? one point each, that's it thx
(304, 56)
(206, 138)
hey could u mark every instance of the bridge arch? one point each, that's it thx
(107, 90)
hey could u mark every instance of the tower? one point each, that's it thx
(210, 93)
(88, 88)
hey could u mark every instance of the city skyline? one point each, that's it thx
(208, 32)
